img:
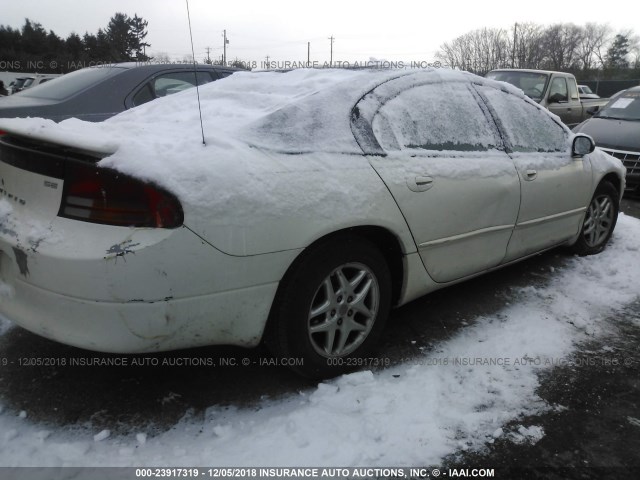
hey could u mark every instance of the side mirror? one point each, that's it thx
(557, 98)
(582, 145)
(593, 110)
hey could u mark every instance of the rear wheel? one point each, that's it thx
(599, 221)
(331, 307)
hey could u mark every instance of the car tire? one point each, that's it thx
(599, 220)
(331, 308)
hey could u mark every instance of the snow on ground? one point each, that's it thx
(5, 290)
(458, 396)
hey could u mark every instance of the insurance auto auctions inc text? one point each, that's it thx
(349, 473)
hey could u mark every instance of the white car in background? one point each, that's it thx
(321, 199)
(23, 83)
(585, 92)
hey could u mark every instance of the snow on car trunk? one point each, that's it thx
(458, 396)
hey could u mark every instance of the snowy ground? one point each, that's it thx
(459, 396)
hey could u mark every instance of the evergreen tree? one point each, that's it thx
(104, 49)
(33, 47)
(138, 32)
(89, 45)
(75, 47)
(74, 56)
(33, 38)
(119, 38)
(10, 46)
(618, 52)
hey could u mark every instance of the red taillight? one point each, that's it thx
(102, 195)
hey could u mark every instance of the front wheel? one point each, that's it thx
(331, 307)
(599, 221)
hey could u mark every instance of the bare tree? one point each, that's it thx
(452, 53)
(162, 57)
(634, 51)
(562, 46)
(527, 51)
(478, 51)
(593, 47)
(561, 42)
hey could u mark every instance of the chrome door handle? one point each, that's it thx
(531, 175)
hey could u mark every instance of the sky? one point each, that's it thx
(281, 29)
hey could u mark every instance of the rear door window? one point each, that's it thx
(435, 116)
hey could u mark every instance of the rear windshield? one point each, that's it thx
(72, 83)
(533, 84)
(624, 107)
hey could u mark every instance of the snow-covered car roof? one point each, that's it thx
(301, 110)
(247, 118)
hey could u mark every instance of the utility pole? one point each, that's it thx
(331, 57)
(208, 60)
(308, 54)
(267, 58)
(224, 50)
(515, 41)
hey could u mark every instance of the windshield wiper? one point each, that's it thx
(610, 118)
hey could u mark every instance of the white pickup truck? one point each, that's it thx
(557, 91)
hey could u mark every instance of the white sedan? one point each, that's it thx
(319, 200)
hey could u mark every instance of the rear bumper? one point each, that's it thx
(127, 290)
(234, 317)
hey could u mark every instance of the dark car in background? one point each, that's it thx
(616, 130)
(97, 93)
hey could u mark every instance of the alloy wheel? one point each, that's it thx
(598, 221)
(343, 310)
